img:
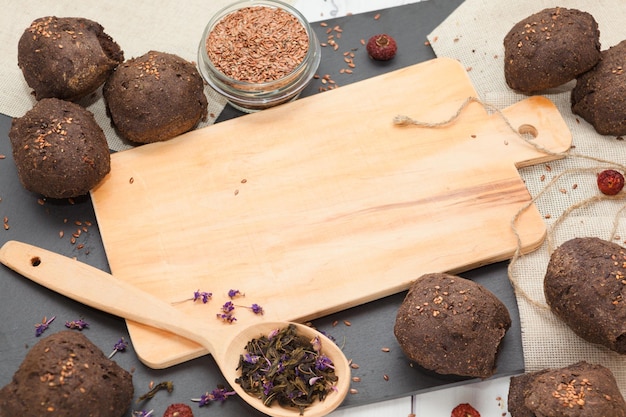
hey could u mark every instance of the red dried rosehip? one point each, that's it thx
(178, 410)
(610, 182)
(381, 47)
(464, 410)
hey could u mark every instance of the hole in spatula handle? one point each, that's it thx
(528, 131)
(35, 261)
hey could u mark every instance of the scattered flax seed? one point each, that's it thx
(362, 41)
(236, 192)
(356, 379)
(2, 156)
(40, 201)
(323, 24)
(548, 168)
(386, 377)
(542, 178)
(243, 181)
(131, 180)
(386, 349)
(377, 16)
(354, 391)
(61, 234)
(547, 216)
(354, 366)
(335, 323)
(574, 186)
(347, 323)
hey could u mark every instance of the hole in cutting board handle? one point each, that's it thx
(528, 131)
(35, 261)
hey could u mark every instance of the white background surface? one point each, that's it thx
(488, 397)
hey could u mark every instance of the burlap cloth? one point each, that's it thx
(473, 34)
(137, 26)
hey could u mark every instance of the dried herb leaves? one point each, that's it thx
(286, 368)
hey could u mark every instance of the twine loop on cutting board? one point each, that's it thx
(402, 120)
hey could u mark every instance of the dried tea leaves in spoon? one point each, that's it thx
(286, 368)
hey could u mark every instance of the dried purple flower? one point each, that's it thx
(251, 358)
(235, 293)
(228, 307)
(226, 317)
(218, 394)
(79, 324)
(202, 295)
(267, 387)
(120, 346)
(256, 309)
(43, 326)
(313, 380)
(323, 362)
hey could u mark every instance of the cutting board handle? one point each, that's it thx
(540, 123)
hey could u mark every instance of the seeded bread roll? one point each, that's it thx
(66, 57)
(452, 326)
(155, 97)
(584, 286)
(600, 94)
(550, 48)
(59, 149)
(579, 390)
(66, 375)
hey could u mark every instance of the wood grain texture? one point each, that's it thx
(323, 204)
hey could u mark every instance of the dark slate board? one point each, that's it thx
(23, 304)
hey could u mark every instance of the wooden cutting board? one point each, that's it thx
(322, 204)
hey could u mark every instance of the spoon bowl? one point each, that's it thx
(98, 289)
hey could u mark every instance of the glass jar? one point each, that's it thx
(252, 96)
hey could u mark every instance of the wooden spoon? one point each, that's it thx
(98, 289)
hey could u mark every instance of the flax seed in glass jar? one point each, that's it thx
(258, 54)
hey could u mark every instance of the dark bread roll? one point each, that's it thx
(578, 390)
(600, 94)
(66, 375)
(155, 97)
(451, 325)
(584, 286)
(59, 149)
(66, 57)
(550, 48)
